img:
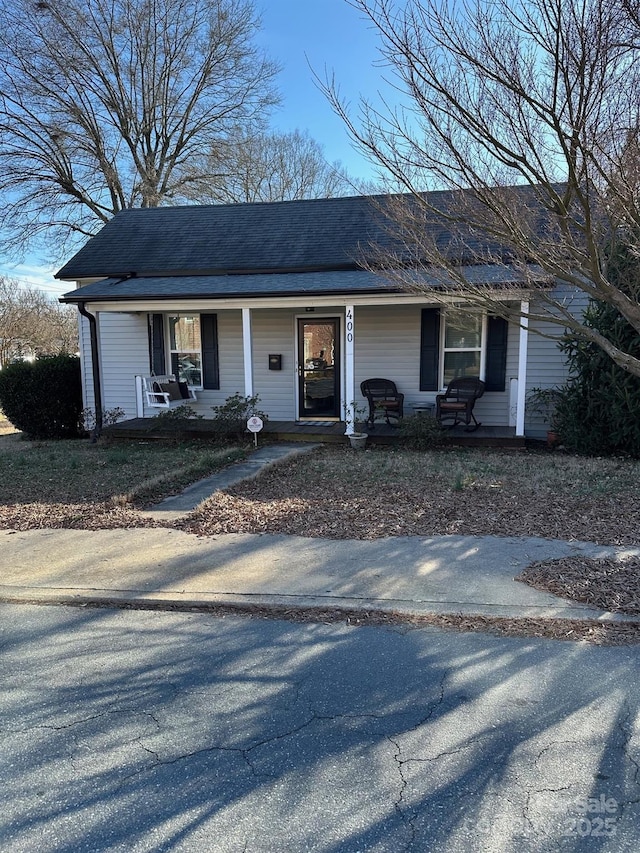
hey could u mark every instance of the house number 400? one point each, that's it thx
(349, 327)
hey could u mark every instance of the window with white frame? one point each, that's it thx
(185, 348)
(463, 339)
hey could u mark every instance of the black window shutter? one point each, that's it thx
(209, 335)
(430, 349)
(496, 367)
(156, 344)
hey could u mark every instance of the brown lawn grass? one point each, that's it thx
(339, 493)
(77, 471)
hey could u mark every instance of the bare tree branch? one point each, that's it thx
(263, 167)
(32, 323)
(529, 115)
(104, 104)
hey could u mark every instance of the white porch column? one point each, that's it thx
(349, 368)
(247, 352)
(139, 397)
(522, 367)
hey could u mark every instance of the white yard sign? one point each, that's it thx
(254, 425)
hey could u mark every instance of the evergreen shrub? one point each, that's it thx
(43, 398)
(598, 413)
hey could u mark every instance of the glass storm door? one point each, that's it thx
(318, 368)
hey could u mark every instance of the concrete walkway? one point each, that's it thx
(176, 506)
(442, 574)
(446, 574)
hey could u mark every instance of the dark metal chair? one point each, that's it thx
(383, 398)
(458, 401)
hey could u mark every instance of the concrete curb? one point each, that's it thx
(233, 602)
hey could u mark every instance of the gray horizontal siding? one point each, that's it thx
(274, 332)
(387, 344)
(230, 360)
(547, 367)
(124, 352)
(231, 366)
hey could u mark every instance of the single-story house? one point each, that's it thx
(275, 299)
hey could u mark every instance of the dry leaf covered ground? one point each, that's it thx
(342, 494)
(338, 494)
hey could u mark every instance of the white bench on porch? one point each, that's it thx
(165, 392)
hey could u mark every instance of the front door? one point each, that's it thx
(318, 368)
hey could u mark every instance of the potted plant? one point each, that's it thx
(358, 440)
(544, 402)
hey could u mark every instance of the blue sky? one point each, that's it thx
(323, 35)
(308, 36)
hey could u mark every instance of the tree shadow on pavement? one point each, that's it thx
(144, 731)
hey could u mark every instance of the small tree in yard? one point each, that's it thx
(43, 398)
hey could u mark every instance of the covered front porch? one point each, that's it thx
(306, 358)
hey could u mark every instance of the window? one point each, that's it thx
(462, 346)
(457, 343)
(185, 348)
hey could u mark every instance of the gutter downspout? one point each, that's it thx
(95, 368)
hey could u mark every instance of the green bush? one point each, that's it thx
(422, 432)
(177, 418)
(43, 398)
(230, 421)
(598, 413)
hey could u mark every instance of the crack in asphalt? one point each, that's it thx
(551, 746)
(407, 813)
(539, 830)
(245, 751)
(82, 720)
(525, 809)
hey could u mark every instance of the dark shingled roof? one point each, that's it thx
(256, 249)
(226, 286)
(334, 282)
(291, 235)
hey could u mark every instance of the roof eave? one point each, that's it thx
(182, 273)
(75, 297)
